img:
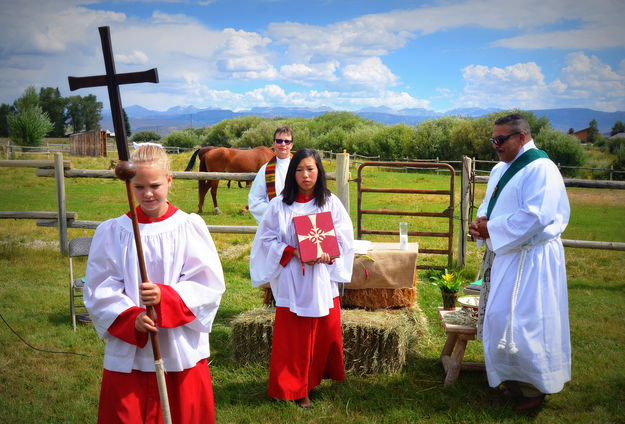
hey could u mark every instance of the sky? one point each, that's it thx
(342, 54)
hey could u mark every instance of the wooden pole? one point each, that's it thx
(342, 178)
(60, 201)
(465, 188)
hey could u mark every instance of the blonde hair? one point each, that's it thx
(152, 153)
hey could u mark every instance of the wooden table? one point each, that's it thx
(453, 351)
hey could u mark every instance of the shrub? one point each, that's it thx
(183, 138)
(29, 126)
(143, 136)
(563, 149)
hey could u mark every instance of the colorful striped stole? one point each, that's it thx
(270, 178)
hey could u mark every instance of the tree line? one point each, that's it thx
(447, 138)
(36, 115)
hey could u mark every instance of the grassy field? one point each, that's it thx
(43, 387)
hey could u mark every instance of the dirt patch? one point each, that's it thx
(234, 251)
(597, 196)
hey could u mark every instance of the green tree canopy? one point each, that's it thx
(53, 104)
(618, 127)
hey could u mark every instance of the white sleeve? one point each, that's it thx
(341, 269)
(257, 198)
(268, 247)
(201, 283)
(105, 293)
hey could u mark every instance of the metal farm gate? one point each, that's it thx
(447, 214)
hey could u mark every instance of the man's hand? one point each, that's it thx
(479, 229)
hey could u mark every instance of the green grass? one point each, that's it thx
(38, 387)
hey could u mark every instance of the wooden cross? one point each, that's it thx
(113, 81)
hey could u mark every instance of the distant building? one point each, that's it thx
(618, 135)
(582, 135)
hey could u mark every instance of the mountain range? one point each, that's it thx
(179, 117)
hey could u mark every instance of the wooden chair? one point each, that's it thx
(78, 247)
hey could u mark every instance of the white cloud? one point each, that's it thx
(521, 85)
(369, 72)
(304, 73)
(585, 82)
(137, 57)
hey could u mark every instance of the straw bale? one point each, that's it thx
(379, 298)
(373, 341)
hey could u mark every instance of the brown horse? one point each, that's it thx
(223, 159)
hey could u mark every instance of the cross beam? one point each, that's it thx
(112, 81)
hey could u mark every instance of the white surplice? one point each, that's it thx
(179, 252)
(311, 294)
(527, 220)
(257, 198)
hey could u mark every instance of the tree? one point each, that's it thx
(593, 131)
(126, 123)
(28, 100)
(74, 114)
(29, 124)
(91, 111)
(29, 127)
(53, 104)
(618, 127)
(563, 149)
(5, 111)
(143, 136)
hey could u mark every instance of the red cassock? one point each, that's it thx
(304, 351)
(133, 397)
(316, 235)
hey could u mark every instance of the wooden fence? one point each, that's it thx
(61, 169)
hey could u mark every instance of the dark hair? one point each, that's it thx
(321, 192)
(283, 129)
(516, 122)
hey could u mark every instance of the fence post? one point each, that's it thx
(465, 189)
(611, 169)
(59, 177)
(342, 178)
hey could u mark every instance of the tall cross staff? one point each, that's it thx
(126, 171)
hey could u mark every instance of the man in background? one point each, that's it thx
(269, 180)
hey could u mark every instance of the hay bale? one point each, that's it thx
(379, 298)
(373, 341)
(252, 332)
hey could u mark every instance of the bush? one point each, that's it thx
(563, 149)
(619, 162)
(143, 136)
(29, 126)
(184, 138)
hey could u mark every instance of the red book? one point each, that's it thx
(316, 235)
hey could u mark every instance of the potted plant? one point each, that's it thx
(449, 284)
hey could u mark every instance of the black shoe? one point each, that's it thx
(527, 404)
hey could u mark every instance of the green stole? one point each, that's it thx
(529, 156)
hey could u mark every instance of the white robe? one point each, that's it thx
(179, 252)
(311, 294)
(531, 213)
(257, 198)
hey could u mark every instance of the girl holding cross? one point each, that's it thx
(185, 289)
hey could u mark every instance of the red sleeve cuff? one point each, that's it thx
(124, 327)
(287, 254)
(171, 311)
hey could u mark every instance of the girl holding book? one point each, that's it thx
(307, 338)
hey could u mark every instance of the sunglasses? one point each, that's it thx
(501, 139)
(281, 140)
